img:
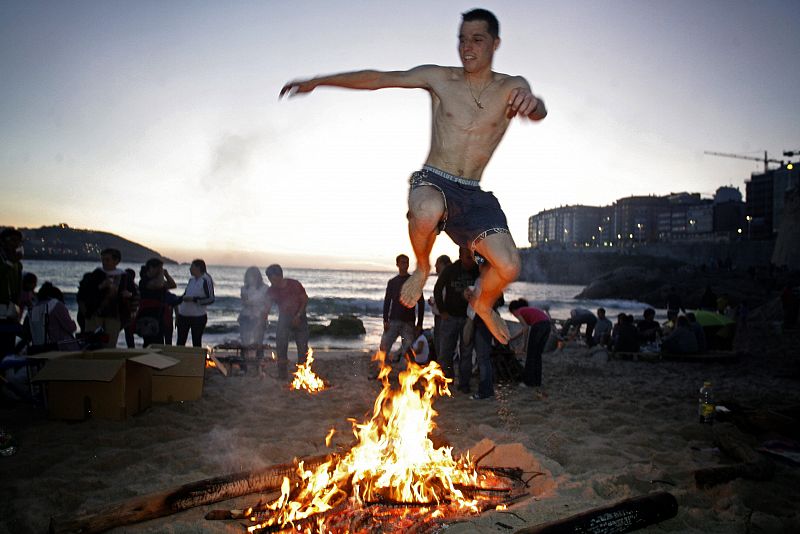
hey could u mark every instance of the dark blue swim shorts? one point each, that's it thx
(470, 214)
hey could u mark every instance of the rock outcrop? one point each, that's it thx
(342, 326)
(652, 285)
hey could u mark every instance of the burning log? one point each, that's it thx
(394, 470)
(175, 500)
(624, 516)
(384, 514)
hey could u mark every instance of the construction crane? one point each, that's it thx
(766, 159)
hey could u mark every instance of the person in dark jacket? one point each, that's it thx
(397, 319)
(103, 295)
(681, 340)
(449, 296)
(625, 336)
(154, 317)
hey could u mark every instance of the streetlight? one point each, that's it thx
(749, 218)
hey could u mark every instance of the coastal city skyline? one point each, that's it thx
(161, 123)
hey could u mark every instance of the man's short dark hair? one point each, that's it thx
(400, 257)
(601, 310)
(114, 253)
(517, 304)
(492, 25)
(274, 270)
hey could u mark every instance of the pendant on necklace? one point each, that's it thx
(480, 106)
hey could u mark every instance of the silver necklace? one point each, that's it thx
(478, 99)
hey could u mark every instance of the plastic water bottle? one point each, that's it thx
(705, 405)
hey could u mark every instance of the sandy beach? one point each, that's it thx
(607, 430)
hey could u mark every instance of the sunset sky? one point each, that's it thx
(160, 121)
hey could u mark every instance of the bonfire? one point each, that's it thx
(393, 469)
(305, 378)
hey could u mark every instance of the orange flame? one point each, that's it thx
(393, 460)
(304, 377)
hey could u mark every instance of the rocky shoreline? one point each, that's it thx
(753, 287)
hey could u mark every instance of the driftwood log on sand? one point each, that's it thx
(623, 516)
(735, 444)
(175, 500)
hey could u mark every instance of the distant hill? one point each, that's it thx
(64, 243)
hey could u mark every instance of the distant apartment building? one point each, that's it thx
(572, 226)
(729, 217)
(641, 219)
(636, 218)
(675, 217)
(765, 193)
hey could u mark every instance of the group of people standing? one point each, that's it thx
(110, 301)
(459, 335)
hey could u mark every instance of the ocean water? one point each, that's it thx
(331, 293)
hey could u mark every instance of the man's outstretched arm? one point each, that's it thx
(416, 78)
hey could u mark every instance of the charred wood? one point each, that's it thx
(174, 500)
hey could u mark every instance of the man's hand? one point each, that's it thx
(296, 87)
(522, 102)
(469, 293)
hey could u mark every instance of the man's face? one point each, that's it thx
(402, 265)
(274, 279)
(109, 262)
(475, 46)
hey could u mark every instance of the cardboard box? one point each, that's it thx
(109, 384)
(183, 381)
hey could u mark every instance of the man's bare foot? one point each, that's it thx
(496, 325)
(412, 288)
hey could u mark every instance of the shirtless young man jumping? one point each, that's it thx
(472, 108)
